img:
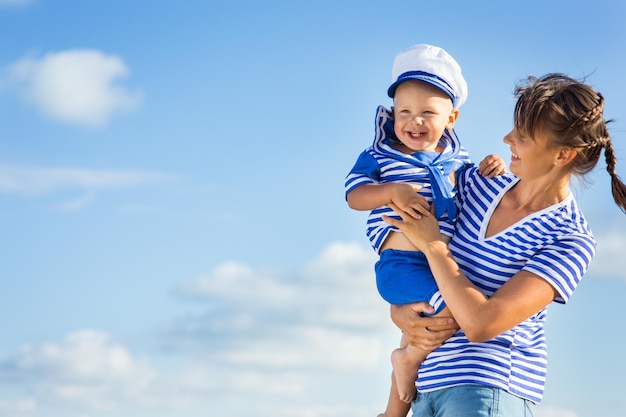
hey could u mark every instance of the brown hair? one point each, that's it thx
(570, 112)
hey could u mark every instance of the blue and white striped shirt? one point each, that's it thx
(435, 171)
(555, 243)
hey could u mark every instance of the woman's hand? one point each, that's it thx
(420, 231)
(426, 333)
(406, 197)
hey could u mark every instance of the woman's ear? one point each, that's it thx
(565, 156)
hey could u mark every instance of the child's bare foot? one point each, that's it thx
(405, 373)
(395, 407)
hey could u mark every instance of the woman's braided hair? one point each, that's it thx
(571, 113)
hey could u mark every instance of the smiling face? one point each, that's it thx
(421, 113)
(531, 157)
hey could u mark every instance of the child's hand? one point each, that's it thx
(405, 196)
(492, 166)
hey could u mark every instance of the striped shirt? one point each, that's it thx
(555, 243)
(435, 171)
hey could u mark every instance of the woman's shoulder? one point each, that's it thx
(571, 217)
(471, 177)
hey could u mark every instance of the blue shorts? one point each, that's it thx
(471, 401)
(404, 277)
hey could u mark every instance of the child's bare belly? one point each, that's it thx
(398, 241)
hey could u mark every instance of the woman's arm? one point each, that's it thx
(481, 317)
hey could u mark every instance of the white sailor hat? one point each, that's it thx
(433, 65)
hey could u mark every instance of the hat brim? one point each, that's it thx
(425, 77)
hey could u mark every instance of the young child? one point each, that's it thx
(412, 163)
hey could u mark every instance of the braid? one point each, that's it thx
(609, 156)
(618, 188)
(591, 115)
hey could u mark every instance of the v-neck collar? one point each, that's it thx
(496, 201)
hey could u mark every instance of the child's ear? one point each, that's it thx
(454, 114)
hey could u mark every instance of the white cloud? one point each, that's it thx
(76, 86)
(11, 407)
(88, 371)
(234, 281)
(291, 334)
(610, 261)
(37, 180)
(291, 343)
(85, 369)
(84, 183)
(327, 315)
(341, 270)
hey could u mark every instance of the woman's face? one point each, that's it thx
(421, 113)
(530, 157)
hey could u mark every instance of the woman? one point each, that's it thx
(520, 243)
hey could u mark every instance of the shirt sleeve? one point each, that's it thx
(365, 171)
(563, 263)
(463, 179)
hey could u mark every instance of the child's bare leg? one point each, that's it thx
(406, 361)
(395, 407)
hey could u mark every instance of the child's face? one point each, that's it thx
(421, 113)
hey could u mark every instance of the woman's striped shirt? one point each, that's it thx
(555, 243)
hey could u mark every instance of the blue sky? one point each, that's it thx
(175, 238)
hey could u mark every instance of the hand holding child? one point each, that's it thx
(404, 195)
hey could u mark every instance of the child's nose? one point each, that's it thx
(417, 120)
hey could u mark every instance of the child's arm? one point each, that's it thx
(492, 166)
(402, 194)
